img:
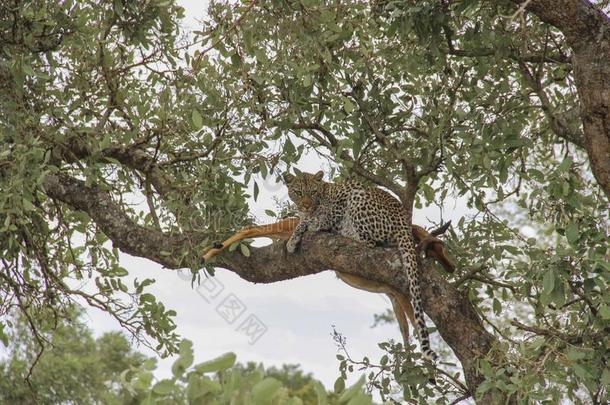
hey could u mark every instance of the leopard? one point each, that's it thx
(369, 215)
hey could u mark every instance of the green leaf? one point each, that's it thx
(572, 233)
(575, 354)
(262, 166)
(548, 282)
(558, 296)
(339, 385)
(289, 147)
(3, 335)
(147, 297)
(264, 391)
(512, 249)
(348, 105)
(604, 311)
(565, 165)
(606, 377)
(28, 206)
(256, 191)
(27, 69)
(118, 7)
(119, 271)
(197, 120)
(536, 174)
(352, 391)
(497, 306)
(361, 399)
(321, 394)
(244, 249)
(199, 385)
(195, 388)
(149, 364)
(211, 385)
(581, 371)
(185, 359)
(219, 363)
(142, 380)
(164, 387)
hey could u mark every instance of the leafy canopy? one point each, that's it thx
(114, 120)
(106, 370)
(75, 365)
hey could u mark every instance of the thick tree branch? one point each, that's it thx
(125, 233)
(578, 20)
(572, 339)
(451, 311)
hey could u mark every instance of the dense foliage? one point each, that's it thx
(115, 124)
(76, 368)
(74, 365)
(221, 382)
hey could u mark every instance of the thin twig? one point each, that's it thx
(572, 339)
(460, 399)
(469, 275)
(222, 38)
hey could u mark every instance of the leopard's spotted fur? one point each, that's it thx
(366, 214)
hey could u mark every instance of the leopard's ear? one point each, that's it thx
(288, 178)
(319, 175)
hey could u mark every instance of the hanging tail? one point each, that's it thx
(410, 264)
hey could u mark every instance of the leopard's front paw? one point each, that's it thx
(291, 246)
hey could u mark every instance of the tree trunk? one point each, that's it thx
(587, 31)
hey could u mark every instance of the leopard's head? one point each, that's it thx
(305, 189)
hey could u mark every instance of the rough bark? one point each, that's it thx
(125, 233)
(587, 31)
(449, 309)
